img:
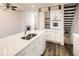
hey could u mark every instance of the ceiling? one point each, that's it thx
(31, 6)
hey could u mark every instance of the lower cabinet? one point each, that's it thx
(47, 37)
(36, 48)
(54, 36)
(41, 45)
(58, 36)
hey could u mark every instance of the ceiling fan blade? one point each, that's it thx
(14, 6)
(8, 6)
(13, 9)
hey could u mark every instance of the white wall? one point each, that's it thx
(75, 25)
(10, 22)
(31, 19)
(23, 20)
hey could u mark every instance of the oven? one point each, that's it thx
(55, 24)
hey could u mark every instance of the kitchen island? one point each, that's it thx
(15, 46)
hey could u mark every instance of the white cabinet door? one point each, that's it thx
(29, 50)
(41, 20)
(59, 14)
(34, 48)
(55, 15)
(48, 37)
(52, 15)
(58, 36)
(52, 36)
(41, 43)
(38, 47)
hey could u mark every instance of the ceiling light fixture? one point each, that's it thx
(33, 6)
(9, 6)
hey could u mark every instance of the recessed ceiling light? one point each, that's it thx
(33, 6)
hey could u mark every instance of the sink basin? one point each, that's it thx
(29, 36)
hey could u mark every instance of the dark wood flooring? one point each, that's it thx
(53, 49)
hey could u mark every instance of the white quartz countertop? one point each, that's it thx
(13, 44)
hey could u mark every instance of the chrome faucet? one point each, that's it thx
(25, 30)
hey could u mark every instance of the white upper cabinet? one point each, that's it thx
(55, 15)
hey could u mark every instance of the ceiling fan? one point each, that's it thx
(10, 6)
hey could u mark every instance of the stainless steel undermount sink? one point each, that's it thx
(29, 36)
